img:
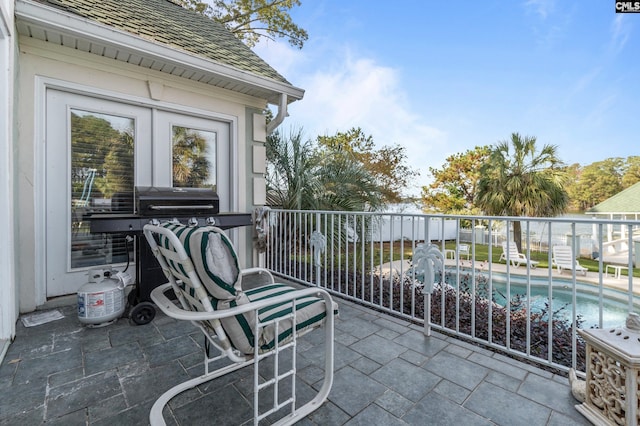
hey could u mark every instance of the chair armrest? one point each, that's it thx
(258, 271)
(172, 310)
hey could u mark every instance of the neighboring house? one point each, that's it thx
(114, 83)
(625, 205)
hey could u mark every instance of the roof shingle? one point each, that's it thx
(627, 201)
(164, 22)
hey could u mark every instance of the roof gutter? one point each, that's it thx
(280, 116)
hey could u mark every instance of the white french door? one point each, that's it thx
(96, 152)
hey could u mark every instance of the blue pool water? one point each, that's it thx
(614, 303)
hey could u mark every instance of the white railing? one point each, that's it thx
(366, 257)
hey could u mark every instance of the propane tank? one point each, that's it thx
(101, 300)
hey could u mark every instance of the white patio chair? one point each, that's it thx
(511, 254)
(245, 326)
(563, 258)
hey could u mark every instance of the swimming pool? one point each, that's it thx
(614, 302)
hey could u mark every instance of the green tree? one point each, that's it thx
(599, 181)
(97, 146)
(574, 171)
(251, 20)
(191, 168)
(454, 187)
(631, 174)
(517, 180)
(387, 165)
(301, 176)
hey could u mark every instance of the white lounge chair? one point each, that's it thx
(563, 259)
(511, 254)
(245, 326)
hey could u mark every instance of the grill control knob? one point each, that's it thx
(211, 221)
(193, 221)
(154, 222)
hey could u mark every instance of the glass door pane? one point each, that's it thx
(102, 174)
(194, 158)
(96, 152)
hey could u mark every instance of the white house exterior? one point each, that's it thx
(142, 69)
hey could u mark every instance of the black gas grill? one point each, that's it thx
(131, 211)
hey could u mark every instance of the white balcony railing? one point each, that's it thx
(366, 257)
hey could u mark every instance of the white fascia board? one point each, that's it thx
(51, 18)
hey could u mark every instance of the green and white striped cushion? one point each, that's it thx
(213, 258)
(310, 313)
(216, 264)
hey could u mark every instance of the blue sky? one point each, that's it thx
(441, 77)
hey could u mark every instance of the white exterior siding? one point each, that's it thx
(45, 65)
(8, 300)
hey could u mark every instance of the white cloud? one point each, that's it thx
(543, 8)
(620, 32)
(350, 91)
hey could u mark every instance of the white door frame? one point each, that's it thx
(8, 281)
(42, 84)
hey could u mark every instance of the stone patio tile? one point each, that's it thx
(175, 328)
(343, 356)
(107, 407)
(378, 349)
(145, 335)
(506, 408)
(458, 350)
(82, 393)
(558, 419)
(78, 417)
(417, 341)
(407, 379)
(327, 414)
(365, 365)
(213, 408)
(171, 349)
(374, 415)
(471, 346)
(436, 410)
(458, 370)
(502, 367)
(114, 357)
(347, 398)
(39, 369)
(357, 327)
(151, 383)
(394, 403)
(530, 368)
(450, 390)
(66, 376)
(21, 398)
(506, 382)
(31, 417)
(136, 415)
(395, 324)
(345, 339)
(387, 333)
(413, 357)
(549, 393)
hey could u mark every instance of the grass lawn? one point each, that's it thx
(482, 254)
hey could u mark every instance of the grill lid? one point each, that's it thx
(159, 201)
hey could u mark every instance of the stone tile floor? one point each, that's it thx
(386, 373)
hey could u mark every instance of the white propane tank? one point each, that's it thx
(101, 301)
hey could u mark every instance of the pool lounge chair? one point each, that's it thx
(511, 254)
(246, 326)
(563, 259)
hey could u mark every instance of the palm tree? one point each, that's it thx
(517, 180)
(302, 177)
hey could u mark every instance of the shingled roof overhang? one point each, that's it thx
(55, 24)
